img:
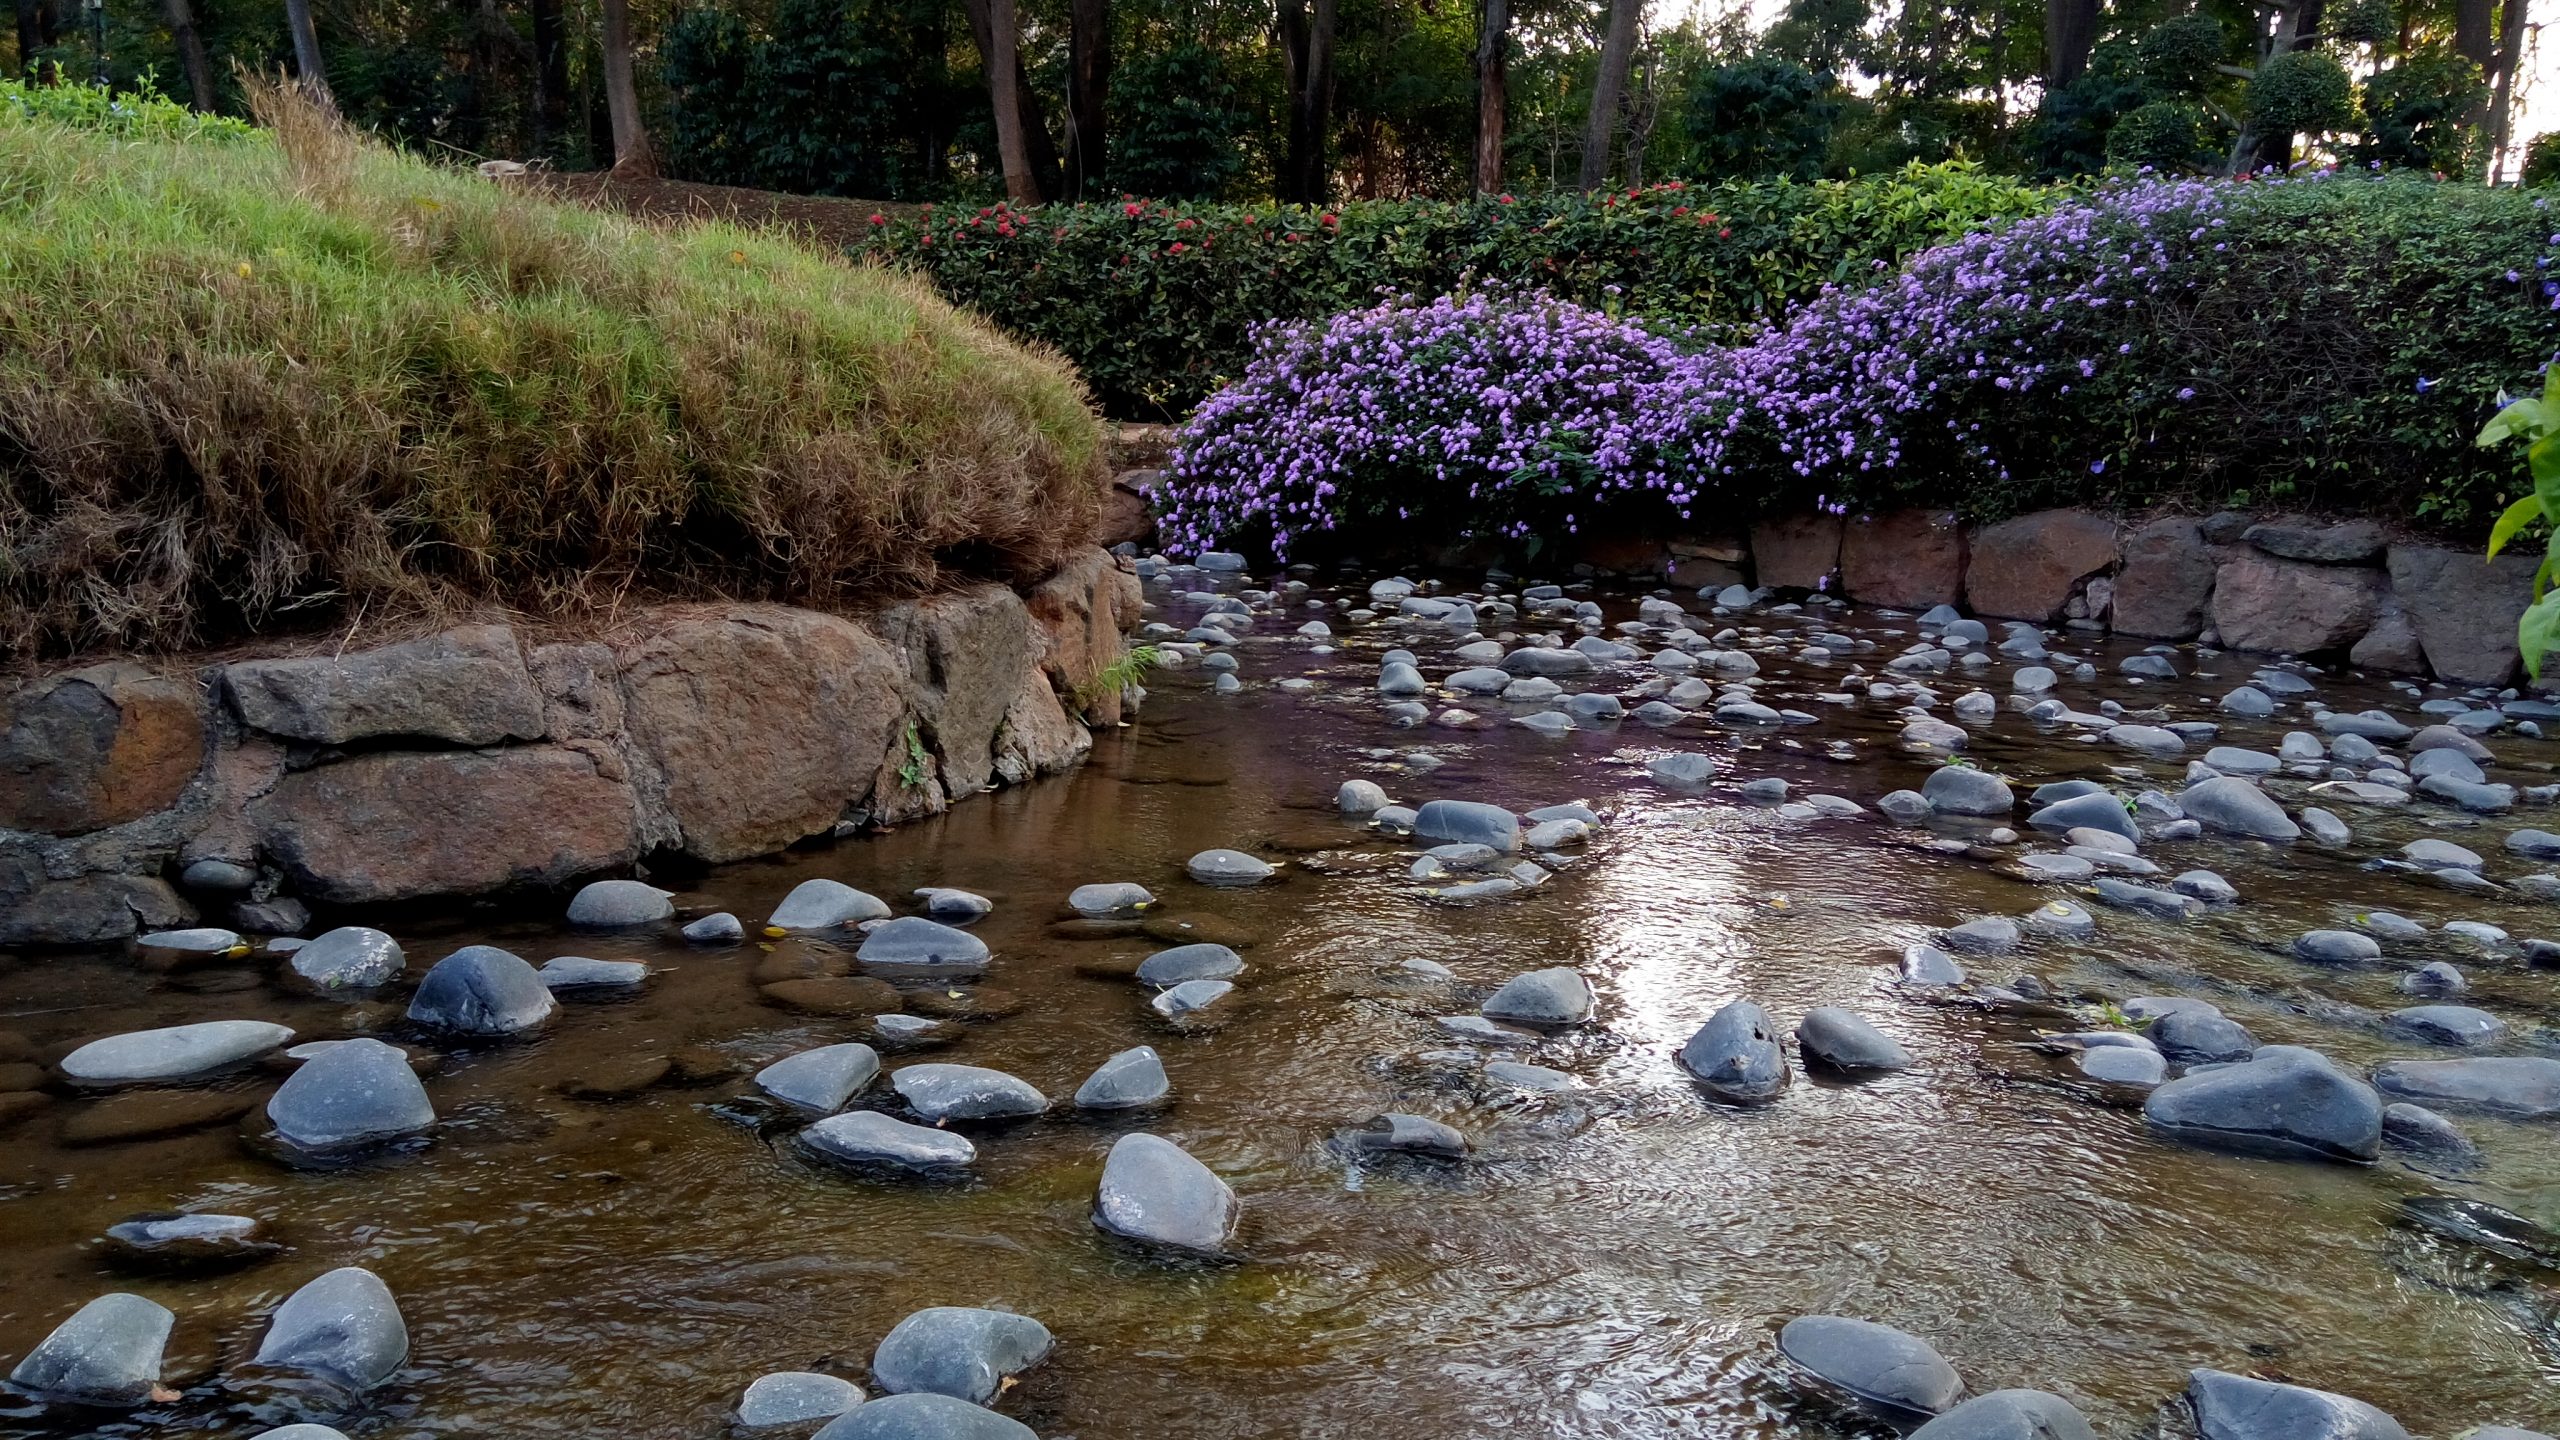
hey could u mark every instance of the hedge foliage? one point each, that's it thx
(1154, 303)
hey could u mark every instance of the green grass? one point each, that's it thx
(279, 382)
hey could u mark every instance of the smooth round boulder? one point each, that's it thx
(2234, 806)
(1097, 902)
(355, 1092)
(344, 1327)
(2197, 1037)
(787, 1397)
(2445, 1025)
(915, 942)
(2010, 1415)
(1556, 996)
(482, 990)
(2336, 947)
(953, 907)
(717, 928)
(351, 957)
(923, 1416)
(1398, 1133)
(107, 1353)
(1964, 790)
(177, 1052)
(2100, 811)
(822, 1079)
(1876, 1363)
(867, 1137)
(1154, 1192)
(2235, 1407)
(1228, 867)
(1831, 1036)
(2285, 1102)
(958, 1351)
(618, 904)
(1467, 822)
(1190, 997)
(1360, 797)
(2519, 1087)
(943, 1093)
(1735, 1057)
(822, 904)
(2417, 1130)
(1200, 961)
(1134, 1079)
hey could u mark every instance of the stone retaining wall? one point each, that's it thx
(478, 759)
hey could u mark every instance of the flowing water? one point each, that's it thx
(1612, 1261)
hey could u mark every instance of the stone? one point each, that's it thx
(199, 943)
(2235, 1407)
(1841, 1040)
(344, 1327)
(2465, 609)
(615, 904)
(833, 995)
(1684, 771)
(911, 941)
(1397, 1133)
(2336, 947)
(2436, 977)
(923, 1416)
(1990, 935)
(2192, 1037)
(2433, 854)
(97, 747)
(199, 1240)
(2167, 904)
(2521, 1087)
(823, 1079)
(1228, 867)
(152, 1115)
(2365, 724)
(1797, 552)
(1875, 1363)
(2325, 827)
(822, 904)
(178, 1052)
(1467, 822)
(2234, 806)
(1963, 790)
(787, 1397)
(2417, 1130)
(718, 928)
(1199, 961)
(355, 1092)
(402, 825)
(968, 1354)
(1153, 1191)
(1134, 1079)
(2347, 542)
(1906, 807)
(578, 972)
(2536, 844)
(1190, 996)
(1553, 664)
(2009, 1415)
(281, 916)
(943, 1093)
(1903, 559)
(1102, 901)
(2288, 607)
(1557, 996)
(1736, 1057)
(466, 686)
(2249, 703)
(2391, 646)
(482, 990)
(2027, 568)
(2124, 1064)
(1360, 797)
(108, 1353)
(867, 1137)
(2286, 1102)
(2101, 811)
(2167, 581)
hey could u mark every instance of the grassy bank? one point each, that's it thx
(274, 381)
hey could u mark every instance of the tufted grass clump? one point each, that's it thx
(283, 382)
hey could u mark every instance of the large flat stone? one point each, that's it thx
(2026, 568)
(2293, 607)
(465, 686)
(97, 747)
(2166, 585)
(1907, 559)
(2465, 608)
(1796, 552)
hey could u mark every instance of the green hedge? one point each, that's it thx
(1155, 303)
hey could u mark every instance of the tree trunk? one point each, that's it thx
(31, 38)
(1617, 53)
(1041, 151)
(1306, 38)
(1004, 64)
(306, 48)
(1493, 53)
(631, 153)
(191, 56)
(2502, 112)
(550, 77)
(2070, 33)
(1089, 82)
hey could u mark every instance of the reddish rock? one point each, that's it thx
(2465, 607)
(1797, 552)
(1707, 563)
(2167, 581)
(581, 691)
(1083, 612)
(2026, 568)
(1128, 510)
(1905, 559)
(464, 686)
(1635, 555)
(404, 824)
(2292, 607)
(97, 747)
(970, 655)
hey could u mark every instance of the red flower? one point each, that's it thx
(1133, 209)
(1724, 234)
(1328, 218)
(1183, 224)
(879, 219)
(1177, 248)
(1679, 209)
(1005, 230)
(928, 239)
(1507, 200)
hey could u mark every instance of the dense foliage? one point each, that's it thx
(1155, 303)
(2330, 341)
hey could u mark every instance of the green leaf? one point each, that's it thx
(2520, 417)
(2536, 631)
(2522, 513)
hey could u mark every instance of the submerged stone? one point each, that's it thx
(1876, 1363)
(867, 1137)
(1199, 961)
(923, 1416)
(2009, 1415)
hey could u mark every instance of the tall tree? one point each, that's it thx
(2502, 84)
(1042, 152)
(191, 57)
(1004, 62)
(1088, 95)
(2070, 34)
(631, 152)
(1306, 43)
(1617, 55)
(550, 77)
(34, 33)
(306, 48)
(1493, 53)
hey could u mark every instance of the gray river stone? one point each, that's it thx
(198, 1238)
(787, 1397)
(1190, 997)
(343, 1327)
(2062, 869)
(718, 928)
(2445, 1025)
(355, 1092)
(2192, 1037)
(1929, 966)
(2099, 811)
(953, 907)
(1963, 790)
(2449, 763)
(1537, 1079)
(1551, 663)
(2149, 740)
(351, 957)
(2206, 886)
(1478, 680)
(2436, 977)
(2417, 1130)
(301, 1431)
(1876, 1363)
(107, 1353)
(912, 940)
(2286, 1102)
(1131, 1080)
(1202, 961)
(1467, 822)
(1359, 797)
(2010, 1415)
(1102, 901)
(2061, 917)
(2522, 1087)
(1398, 678)
(1905, 807)
(923, 1416)
(958, 1351)
(2369, 725)
(1687, 770)
(966, 1092)
(204, 941)
(2325, 827)
(1990, 935)
(2534, 844)
(1736, 1057)
(482, 990)
(823, 904)
(178, 1052)
(1228, 867)
(2436, 854)
(867, 1137)
(2336, 947)
(614, 904)
(2124, 1064)
(2236, 807)
(2167, 904)
(2249, 702)
(1412, 1135)
(1153, 1191)
(2246, 763)
(1557, 996)
(823, 1079)
(579, 972)
(1841, 1040)
(2235, 1407)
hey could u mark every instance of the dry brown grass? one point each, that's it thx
(258, 387)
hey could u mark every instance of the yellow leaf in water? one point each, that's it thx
(775, 932)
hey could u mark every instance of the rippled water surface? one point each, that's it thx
(1611, 1262)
